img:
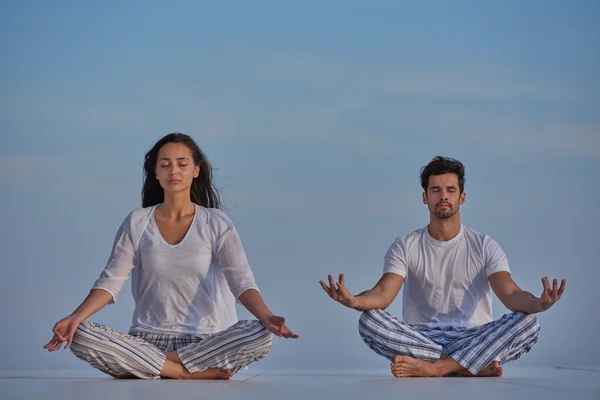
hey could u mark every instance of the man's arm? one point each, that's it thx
(518, 300)
(377, 298)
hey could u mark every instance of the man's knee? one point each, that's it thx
(534, 326)
(528, 324)
(527, 319)
(372, 315)
(366, 319)
(377, 320)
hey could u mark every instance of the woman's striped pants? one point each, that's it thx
(143, 354)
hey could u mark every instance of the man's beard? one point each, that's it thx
(444, 214)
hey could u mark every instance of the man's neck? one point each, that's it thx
(444, 229)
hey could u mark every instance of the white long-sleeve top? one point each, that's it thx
(187, 288)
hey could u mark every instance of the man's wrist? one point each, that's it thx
(354, 303)
(538, 306)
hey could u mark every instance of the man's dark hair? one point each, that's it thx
(443, 165)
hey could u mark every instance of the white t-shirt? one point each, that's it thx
(187, 288)
(446, 282)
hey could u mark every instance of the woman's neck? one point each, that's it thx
(176, 205)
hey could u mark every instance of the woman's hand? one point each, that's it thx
(63, 332)
(277, 326)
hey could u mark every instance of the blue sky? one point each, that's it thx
(317, 117)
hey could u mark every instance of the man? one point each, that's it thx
(447, 326)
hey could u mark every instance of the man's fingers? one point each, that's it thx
(563, 284)
(331, 282)
(545, 283)
(342, 280)
(544, 297)
(334, 293)
(547, 291)
(325, 288)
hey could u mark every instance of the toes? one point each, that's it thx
(224, 374)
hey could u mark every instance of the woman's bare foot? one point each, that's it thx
(175, 370)
(172, 356)
(211, 373)
(404, 366)
(492, 370)
(125, 377)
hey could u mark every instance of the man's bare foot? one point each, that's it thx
(492, 370)
(211, 373)
(404, 366)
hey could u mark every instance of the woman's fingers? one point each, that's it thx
(52, 342)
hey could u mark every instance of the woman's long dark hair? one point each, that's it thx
(203, 192)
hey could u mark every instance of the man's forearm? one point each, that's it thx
(522, 301)
(370, 300)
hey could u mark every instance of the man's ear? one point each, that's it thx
(424, 198)
(463, 197)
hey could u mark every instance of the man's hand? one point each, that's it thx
(550, 295)
(339, 292)
(277, 326)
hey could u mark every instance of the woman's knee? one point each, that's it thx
(256, 332)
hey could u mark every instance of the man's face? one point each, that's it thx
(443, 197)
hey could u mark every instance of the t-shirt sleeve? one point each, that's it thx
(495, 259)
(230, 255)
(121, 262)
(395, 258)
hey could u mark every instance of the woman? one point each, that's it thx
(188, 268)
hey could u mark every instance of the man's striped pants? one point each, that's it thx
(503, 340)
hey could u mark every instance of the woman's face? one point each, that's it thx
(175, 168)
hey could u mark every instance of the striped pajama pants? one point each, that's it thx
(142, 354)
(503, 340)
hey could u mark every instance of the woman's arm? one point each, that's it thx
(122, 260)
(66, 327)
(253, 301)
